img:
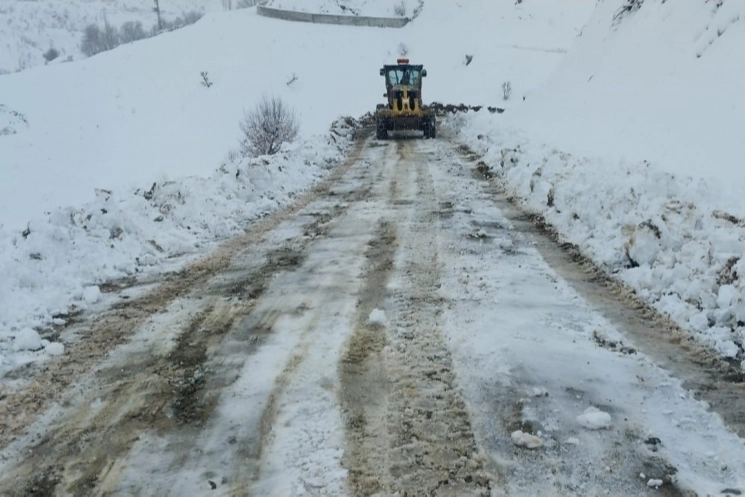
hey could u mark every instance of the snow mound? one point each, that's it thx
(55, 348)
(526, 440)
(27, 339)
(377, 318)
(594, 419)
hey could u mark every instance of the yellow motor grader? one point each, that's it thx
(404, 110)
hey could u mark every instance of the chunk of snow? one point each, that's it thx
(539, 392)
(572, 441)
(594, 419)
(526, 440)
(377, 318)
(653, 482)
(727, 348)
(742, 365)
(55, 348)
(27, 339)
(726, 296)
(92, 294)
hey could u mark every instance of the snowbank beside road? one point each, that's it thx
(664, 235)
(47, 272)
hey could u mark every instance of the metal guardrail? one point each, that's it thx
(291, 15)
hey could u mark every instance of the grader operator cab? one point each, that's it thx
(404, 110)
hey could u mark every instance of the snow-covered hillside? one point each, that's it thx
(29, 28)
(140, 113)
(663, 83)
(137, 115)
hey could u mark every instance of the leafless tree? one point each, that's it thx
(156, 9)
(131, 31)
(270, 124)
(506, 90)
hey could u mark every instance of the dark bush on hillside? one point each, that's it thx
(51, 54)
(93, 40)
(131, 31)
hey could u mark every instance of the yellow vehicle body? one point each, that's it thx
(404, 110)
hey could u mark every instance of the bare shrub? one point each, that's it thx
(205, 79)
(131, 31)
(93, 40)
(156, 9)
(110, 34)
(192, 16)
(227, 4)
(270, 124)
(51, 54)
(630, 7)
(506, 90)
(400, 9)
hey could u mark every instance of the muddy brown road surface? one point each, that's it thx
(387, 334)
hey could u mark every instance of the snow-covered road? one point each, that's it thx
(400, 330)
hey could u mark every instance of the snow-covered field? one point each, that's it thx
(29, 28)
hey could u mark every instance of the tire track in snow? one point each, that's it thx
(516, 326)
(98, 335)
(408, 429)
(157, 391)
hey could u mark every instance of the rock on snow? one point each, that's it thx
(594, 419)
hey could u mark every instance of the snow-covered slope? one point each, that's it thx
(139, 112)
(663, 83)
(30, 28)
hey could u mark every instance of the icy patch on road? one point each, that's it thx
(594, 419)
(677, 241)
